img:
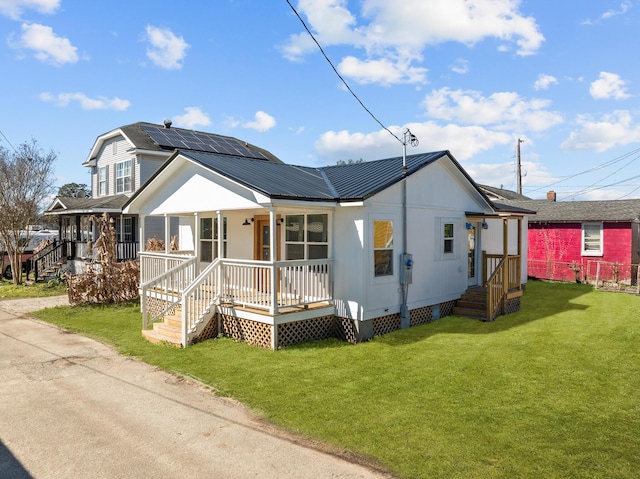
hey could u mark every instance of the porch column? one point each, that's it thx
(196, 237)
(220, 234)
(167, 234)
(141, 232)
(273, 253)
(520, 253)
(505, 259)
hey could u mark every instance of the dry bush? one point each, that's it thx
(154, 244)
(106, 280)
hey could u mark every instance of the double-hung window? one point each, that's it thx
(124, 230)
(592, 239)
(306, 236)
(123, 176)
(209, 238)
(102, 181)
(447, 238)
(382, 248)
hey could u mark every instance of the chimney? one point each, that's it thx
(551, 195)
(167, 124)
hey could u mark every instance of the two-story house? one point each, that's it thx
(119, 162)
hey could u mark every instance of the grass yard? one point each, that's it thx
(550, 392)
(8, 290)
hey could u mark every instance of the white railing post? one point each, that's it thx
(273, 250)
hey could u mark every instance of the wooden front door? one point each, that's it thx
(262, 248)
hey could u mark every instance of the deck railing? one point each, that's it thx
(46, 258)
(154, 264)
(164, 292)
(496, 292)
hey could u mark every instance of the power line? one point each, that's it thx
(7, 140)
(340, 76)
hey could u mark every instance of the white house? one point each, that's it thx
(275, 254)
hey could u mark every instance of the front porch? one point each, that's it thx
(235, 298)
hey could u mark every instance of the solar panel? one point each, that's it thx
(199, 141)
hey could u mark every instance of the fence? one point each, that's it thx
(602, 274)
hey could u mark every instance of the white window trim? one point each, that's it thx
(457, 228)
(103, 181)
(305, 240)
(598, 252)
(389, 278)
(123, 177)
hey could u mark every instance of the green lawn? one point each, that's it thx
(8, 290)
(550, 392)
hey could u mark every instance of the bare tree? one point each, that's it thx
(26, 182)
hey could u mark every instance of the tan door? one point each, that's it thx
(262, 246)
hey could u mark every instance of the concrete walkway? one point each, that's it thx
(72, 407)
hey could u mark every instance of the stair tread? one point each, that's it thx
(154, 336)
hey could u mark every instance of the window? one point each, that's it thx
(102, 181)
(592, 239)
(123, 176)
(447, 238)
(209, 239)
(306, 236)
(383, 247)
(124, 230)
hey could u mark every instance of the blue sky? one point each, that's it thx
(468, 76)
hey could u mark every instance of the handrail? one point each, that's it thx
(166, 286)
(495, 291)
(198, 298)
(47, 257)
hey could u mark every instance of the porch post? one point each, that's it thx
(141, 220)
(167, 234)
(196, 236)
(220, 234)
(273, 246)
(219, 280)
(520, 253)
(505, 258)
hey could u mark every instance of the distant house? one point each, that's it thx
(582, 240)
(119, 162)
(274, 254)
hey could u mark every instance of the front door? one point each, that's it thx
(262, 243)
(472, 255)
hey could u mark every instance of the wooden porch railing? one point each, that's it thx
(154, 264)
(164, 292)
(46, 258)
(499, 276)
(244, 283)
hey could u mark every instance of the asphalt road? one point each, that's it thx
(71, 407)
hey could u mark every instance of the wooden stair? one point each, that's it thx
(169, 331)
(472, 304)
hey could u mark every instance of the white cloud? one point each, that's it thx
(192, 117)
(263, 122)
(461, 66)
(384, 71)
(608, 85)
(624, 6)
(503, 110)
(47, 47)
(463, 141)
(544, 81)
(86, 103)
(14, 8)
(615, 129)
(166, 50)
(395, 32)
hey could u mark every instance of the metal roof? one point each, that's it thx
(350, 182)
(67, 205)
(580, 211)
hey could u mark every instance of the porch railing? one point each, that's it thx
(46, 258)
(154, 264)
(199, 299)
(164, 292)
(496, 292)
(491, 262)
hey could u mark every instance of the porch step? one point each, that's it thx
(472, 304)
(168, 331)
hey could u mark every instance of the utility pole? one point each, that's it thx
(519, 169)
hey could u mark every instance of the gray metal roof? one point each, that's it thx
(351, 182)
(68, 205)
(502, 194)
(579, 211)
